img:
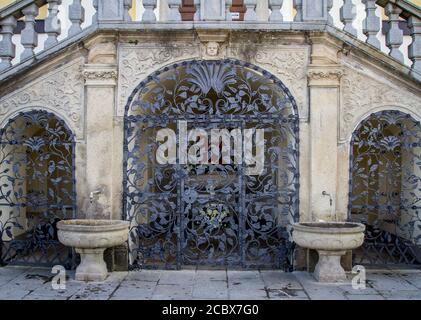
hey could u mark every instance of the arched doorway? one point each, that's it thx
(219, 213)
(385, 188)
(37, 188)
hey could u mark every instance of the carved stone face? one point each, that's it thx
(212, 48)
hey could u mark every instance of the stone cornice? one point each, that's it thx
(100, 75)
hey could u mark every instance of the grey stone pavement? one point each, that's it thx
(35, 284)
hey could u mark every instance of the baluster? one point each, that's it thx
(276, 6)
(174, 14)
(29, 38)
(371, 23)
(76, 16)
(197, 12)
(250, 14)
(7, 48)
(228, 4)
(127, 5)
(298, 6)
(149, 14)
(52, 23)
(414, 50)
(394, 36)
(95, 16)
(348, 14)
(329, 6)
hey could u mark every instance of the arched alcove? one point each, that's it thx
(385, 187)
(216, 213)
(37, 188)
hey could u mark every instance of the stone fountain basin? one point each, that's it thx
(90, 238)
(90, 234)
(331, 240)
(329, 235)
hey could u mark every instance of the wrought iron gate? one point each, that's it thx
(37, 189)
(215, 214)
(385, 185)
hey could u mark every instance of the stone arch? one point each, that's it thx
(38, 188)
(70, 125)
(213, 94)
(408, 109)
(384, 183)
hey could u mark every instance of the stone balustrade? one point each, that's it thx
(307, 15)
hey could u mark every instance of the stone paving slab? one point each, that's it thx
(18, 283)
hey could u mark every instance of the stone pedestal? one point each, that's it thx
(328, 268)
(92, 266)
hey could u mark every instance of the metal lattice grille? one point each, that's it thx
(37, 189)
(386, 187)
(211, 214)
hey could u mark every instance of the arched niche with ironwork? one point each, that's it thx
(214, 213)
(385, 187)
(37, 188)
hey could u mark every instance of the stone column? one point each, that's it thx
(324, 96)
(100, 75)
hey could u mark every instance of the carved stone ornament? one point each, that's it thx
(137, 62)
(212, 48)
(325, 76)
(362, 95)
(288, 63)
(59, 91)
(100, 75)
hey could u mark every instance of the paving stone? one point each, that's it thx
(243, 275)
(95, 291)
(250, 294)
(136, 284)
(177, 277)
(211, 275)
(364, 297)
(319, 291)
(172, 292)
(246, 284)
(205, 289)
(280, 280)
(13, 293)
(413, 277)
(388, 282)
(47, 290)
(37, 297)
(145, 275)
(401, 294)
(367, 291)
(133, 293)
(287, 294)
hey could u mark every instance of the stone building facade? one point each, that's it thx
(355, 132)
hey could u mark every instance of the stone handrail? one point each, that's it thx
(114, 14)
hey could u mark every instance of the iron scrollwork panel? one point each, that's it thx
(212, 213)
(37, 189)
(385, 187)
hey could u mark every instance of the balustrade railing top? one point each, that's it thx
(310, 15)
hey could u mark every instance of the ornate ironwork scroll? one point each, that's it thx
(211, 214)
(37, 189)
(385, 188)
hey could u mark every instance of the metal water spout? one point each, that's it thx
(94, 194)
(332, 208)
